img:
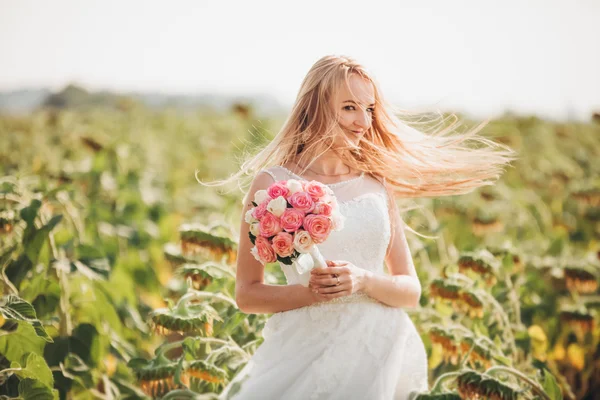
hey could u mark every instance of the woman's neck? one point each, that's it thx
(327, 164)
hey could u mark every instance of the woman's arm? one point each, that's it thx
(252, 295)
(402, 288)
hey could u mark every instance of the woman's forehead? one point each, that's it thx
(357, 89)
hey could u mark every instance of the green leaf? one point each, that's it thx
(94, 259)
(35, 368)
(286, 260)
(29, 213)
(86, 251)
(232, 323)
(42, 293)
(31, 389)
(86, 343)
(77, 370)
(504, 360)
(23, 340)
(34, 239)
(551, 387)
(93, 306)
(179, 370)
(137, 363)
(18, 269)
(48, 299)
(18, 309)
(40, 331)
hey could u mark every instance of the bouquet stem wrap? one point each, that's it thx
(318, 259)
(306, 262)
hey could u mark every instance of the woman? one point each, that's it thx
(347, 335)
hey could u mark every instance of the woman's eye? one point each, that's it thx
(351, 108)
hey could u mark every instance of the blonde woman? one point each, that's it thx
(347, 335)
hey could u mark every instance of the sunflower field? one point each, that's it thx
(118, 267)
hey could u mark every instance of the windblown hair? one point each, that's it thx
(438, 160)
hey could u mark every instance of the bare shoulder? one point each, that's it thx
(261, 181)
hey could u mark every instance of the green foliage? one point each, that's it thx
(17, 309)
(22, 341)
(34, 389)
(34, 367)
(103, 226)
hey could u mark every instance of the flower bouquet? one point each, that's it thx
(289, 219)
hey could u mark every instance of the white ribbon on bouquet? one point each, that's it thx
(306, 262)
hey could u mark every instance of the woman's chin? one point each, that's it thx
(353, 138)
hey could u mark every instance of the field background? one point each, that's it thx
(118, 267)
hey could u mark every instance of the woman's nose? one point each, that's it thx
(363, 120)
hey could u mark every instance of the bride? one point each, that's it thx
(347, 335)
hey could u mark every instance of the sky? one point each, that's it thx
(478, 57)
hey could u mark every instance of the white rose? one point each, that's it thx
(254, 252)
(254, 229)
(337, 221)
(260, 196)
(277, 206)
(248, 217)
(302, 242)
(294, 186)
(330, 199)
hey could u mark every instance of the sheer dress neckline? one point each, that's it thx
(334, 184)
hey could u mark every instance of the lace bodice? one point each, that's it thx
(366, 233)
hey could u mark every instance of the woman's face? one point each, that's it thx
(355, 106)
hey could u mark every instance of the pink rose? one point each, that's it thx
(302, 201)
(269, 225)
(277, 189)
(291, 219)
(318, 227)
(260, 210)
(315, 189)
(283, 244)
(264, 250)
(323, 209)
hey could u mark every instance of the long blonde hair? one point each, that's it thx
(410, 162)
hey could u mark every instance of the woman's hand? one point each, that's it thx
(323, 281)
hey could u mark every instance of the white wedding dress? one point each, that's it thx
(353, 347)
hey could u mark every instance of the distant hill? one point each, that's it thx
(20, 101)
(74, 96)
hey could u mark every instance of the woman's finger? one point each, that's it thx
(329, 271)
(320, 271)
(328, 281)
(332, 289)
(322, 282)
(329, 296)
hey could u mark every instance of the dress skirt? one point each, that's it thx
(353, 347)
